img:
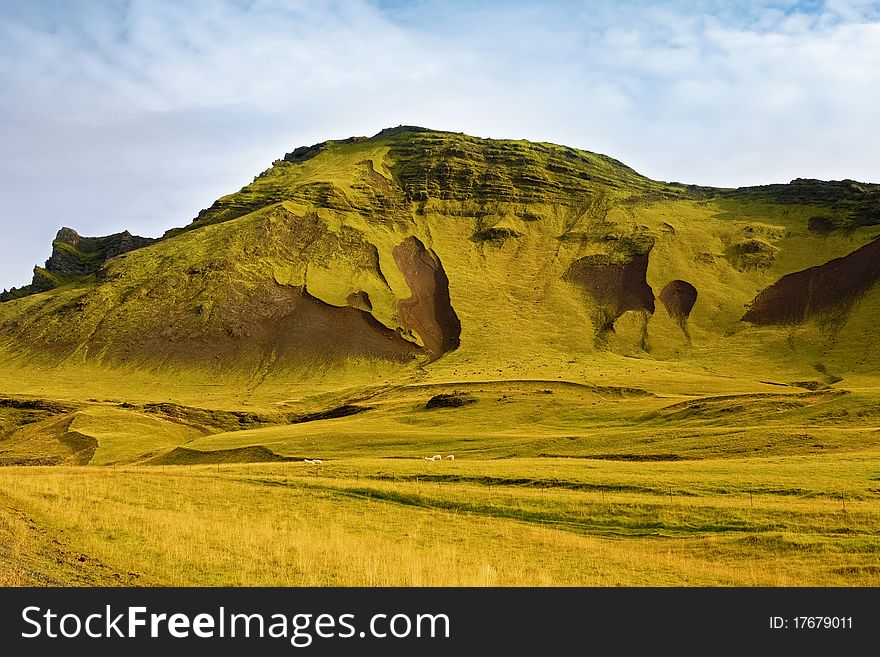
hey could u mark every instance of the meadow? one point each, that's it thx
(788, 520)
(691, 480)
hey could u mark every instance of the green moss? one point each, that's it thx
(88, 257)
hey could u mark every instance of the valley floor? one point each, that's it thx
(553, 483)
(780, 521)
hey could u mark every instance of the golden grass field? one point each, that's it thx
(786, 521)
(763, 506)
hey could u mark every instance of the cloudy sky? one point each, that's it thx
(138, 113)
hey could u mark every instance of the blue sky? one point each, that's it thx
(136, 114)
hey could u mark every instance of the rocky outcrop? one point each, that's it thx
(855, 203)
(74, 255)
(751, 254)
(495, 234)
(448, 166)
(360, 300)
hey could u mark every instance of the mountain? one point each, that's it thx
(420, 253)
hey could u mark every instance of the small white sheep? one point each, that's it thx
(451, 457)
(436, 457)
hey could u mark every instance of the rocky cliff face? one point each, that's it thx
(75, 256)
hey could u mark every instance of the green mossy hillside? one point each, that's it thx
(544, 260)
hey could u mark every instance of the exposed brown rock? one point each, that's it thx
(283, 325)
(313, 328)
(428, 311)
(679, 297)
(822, 293)
(616, 283)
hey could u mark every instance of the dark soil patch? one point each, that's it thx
(451, 400)
(825, 293)
(428, 311)
(524, 482)
(33, 405)
(821, 226)
(679, 297)
(616, 283)
(647, 458)
(809, 385)
(340, 411)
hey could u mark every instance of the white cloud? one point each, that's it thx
(136, 115)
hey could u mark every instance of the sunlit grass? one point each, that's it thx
(387, 523)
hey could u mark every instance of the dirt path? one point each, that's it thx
(33, 555)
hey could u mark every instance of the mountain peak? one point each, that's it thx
(387, 132)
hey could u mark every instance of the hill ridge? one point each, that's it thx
(417, 251)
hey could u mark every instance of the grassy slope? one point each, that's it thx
(124, 436)
(188, 308)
